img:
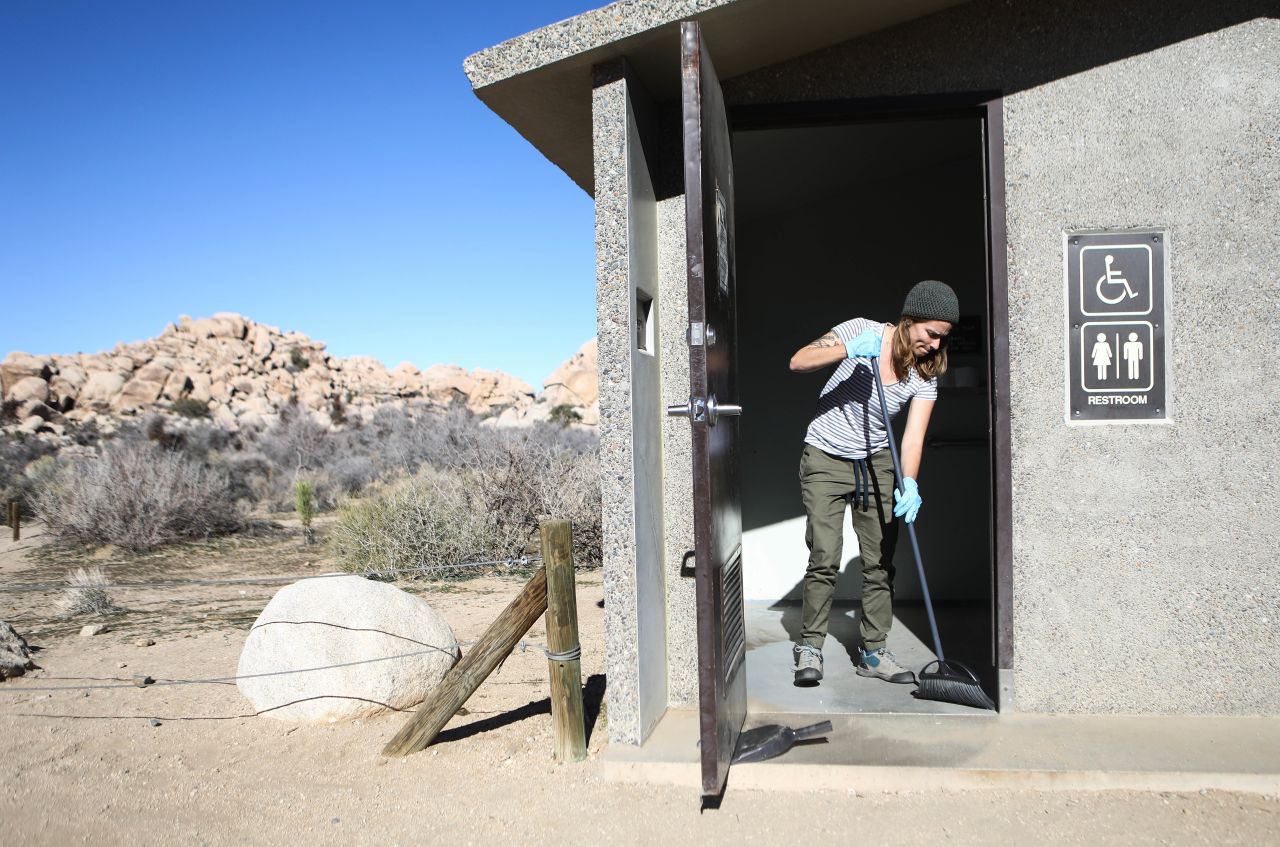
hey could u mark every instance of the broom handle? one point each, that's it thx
(911, 527)
(811, 730)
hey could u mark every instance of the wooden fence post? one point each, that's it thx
(564, 652)
(474, 667)
(15, 520)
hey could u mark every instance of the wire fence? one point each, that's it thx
(146, 681)
(513, 563)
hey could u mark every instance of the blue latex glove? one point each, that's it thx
(865, 346)
(906, 500)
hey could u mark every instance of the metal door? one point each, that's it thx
(708, 184)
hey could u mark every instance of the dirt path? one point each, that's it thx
(97, 776)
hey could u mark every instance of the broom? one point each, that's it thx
(951, 682)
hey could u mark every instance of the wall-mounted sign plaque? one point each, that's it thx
(1116, 327)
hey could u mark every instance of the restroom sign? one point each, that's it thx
(1116, 328)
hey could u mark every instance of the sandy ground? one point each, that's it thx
(88, 766)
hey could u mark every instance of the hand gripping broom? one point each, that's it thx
(951, 682)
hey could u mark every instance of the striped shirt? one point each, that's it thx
(848, 421)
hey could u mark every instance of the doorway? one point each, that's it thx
(837, 218)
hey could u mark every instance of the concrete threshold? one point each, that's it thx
(879, 752)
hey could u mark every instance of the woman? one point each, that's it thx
(845, 462)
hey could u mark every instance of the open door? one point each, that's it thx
(708, 183)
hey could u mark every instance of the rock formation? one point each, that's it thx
(244, 373)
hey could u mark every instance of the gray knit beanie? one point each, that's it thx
(932, 301)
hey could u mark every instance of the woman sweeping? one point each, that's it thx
(845, 462)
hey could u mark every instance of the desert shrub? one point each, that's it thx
(156, 432)
(189, 407)
(137, 496)
(297, 442)
(303, 501)
(84, 434)
(486, 508)
(202, 438)
(295, 446)
(41, 471)
(86, 592)
(304, 504)
(525, 476)
(298, 360)
(351, 472)
(18, 460)
(337, 411)
(264, 464)
(433, 518)
(9, 412)
(401, 442)
(564, 414)
(199, 439)
(248, 474)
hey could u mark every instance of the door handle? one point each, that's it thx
(716, 410)
(706, 411)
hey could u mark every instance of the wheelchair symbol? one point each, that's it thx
(1113, 278)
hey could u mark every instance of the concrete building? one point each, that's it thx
(1081, 173)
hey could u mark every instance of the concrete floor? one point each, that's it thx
(771, 630)
(867, 752)
(883, 739)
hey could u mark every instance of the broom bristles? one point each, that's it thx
(949, 686)
(955, 691)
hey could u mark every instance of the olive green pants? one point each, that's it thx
(827, 487)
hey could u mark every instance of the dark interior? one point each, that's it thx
(836, 221)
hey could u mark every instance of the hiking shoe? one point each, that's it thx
(882, 665)
(808, 664)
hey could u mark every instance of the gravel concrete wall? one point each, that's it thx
(1145, 568)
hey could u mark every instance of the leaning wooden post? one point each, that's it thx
(15, 520)
(564, 653)
(474, 668)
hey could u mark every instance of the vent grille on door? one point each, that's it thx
(735, 632)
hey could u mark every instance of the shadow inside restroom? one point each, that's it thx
(772, 629)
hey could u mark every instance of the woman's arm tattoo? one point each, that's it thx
(828, 340)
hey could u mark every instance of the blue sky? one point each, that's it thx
(319, 166)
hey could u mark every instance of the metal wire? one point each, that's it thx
(521, 561)
(16, 688)
(231, 680)
(222, 679)
(566, 656)
(161, 718)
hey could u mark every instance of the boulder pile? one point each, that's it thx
(243, 373)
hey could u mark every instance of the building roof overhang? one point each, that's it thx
(541, 82)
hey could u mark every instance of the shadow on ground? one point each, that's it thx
(592, 702)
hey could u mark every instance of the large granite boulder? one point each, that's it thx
(18, 366)
(64, 387)
(29, 388)
(137, 394)
(100, 389)
(350, 643)
(260, 338)
(406, 379)
(574, 383)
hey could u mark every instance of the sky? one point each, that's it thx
(318, 166)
